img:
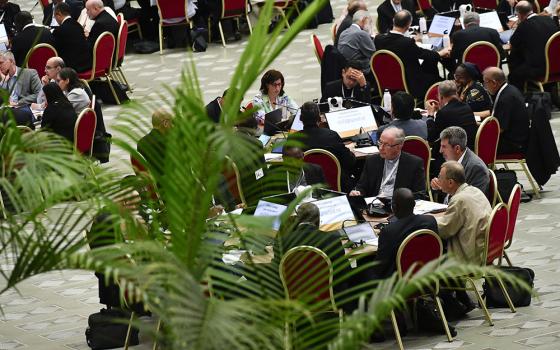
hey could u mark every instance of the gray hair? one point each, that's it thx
(454, 171)
(470, 18)
(8, 55)
(359, 15)
(58, 61)
(97, 3)
(447, 88)
(455, 135)
(398, 132)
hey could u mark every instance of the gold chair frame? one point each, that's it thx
(403, 75)
(427, 170)
(479, 132)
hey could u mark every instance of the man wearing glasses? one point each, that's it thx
(391, 169)
(52, 68)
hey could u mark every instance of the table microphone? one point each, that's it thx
(288, 107)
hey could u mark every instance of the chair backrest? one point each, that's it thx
(483, 54)
(328, 162)
(233, 8)
(513, 209)
(486, 143)
(432, 93)
(84, 131)
(421, 148)
(120, 18)
(543, 3)
(424, 5)
(493, 195)
(388, 70)
(307, 275)
(38, 56)
(92, 102)
(552, 52)
(334, 30)
(233, 180)
(317, 47)
(103, 53)
(44, 3)
(137, 161)
(487, 4)
(168, 9)
(496, 233)
(121, 43)
(418, 249)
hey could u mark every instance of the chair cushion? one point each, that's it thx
(87, 75)
(510, 156)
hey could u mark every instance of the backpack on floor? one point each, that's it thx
(107, 329)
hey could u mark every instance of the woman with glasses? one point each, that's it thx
(471, 91)
(272, 96)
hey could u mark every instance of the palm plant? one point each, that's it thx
(171, 259)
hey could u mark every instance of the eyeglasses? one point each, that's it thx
(385, 144)
(275, 84)
(49, 67)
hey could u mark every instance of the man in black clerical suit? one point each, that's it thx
(353, 85)
(8, 12)
(510, 110)
(386, 11)
(527, 57)
(450, 111)
(392, 235)
(472, 33)
(391, 169)
(418, 77)
(76, 7)
(298, 172)
(104, 22)
(312, 136)
(153, 145)
(214, 108)
(70, 41)
(28, 35)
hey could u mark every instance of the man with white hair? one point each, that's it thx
(104, 22)
(22, 84)
(355, 43)
(391, 169)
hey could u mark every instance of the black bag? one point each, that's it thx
(146, 46)
(428, 317)
(519, 297)
(199, 36)
(535, 99)
(102, 147)
(506, 180)
(103, 92)
(107, 329)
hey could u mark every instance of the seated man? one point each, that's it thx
(70, 41)
(23, 84)
(153, 145)
(28, 35)
(386, 11)
(299, 173)
(392, 235)
(391, 169)
(453, 146)
(355, 43)
(104, 22)
(52, 68)
(353, 7)
(450, 111)
(419, 77)
(510, 110)
(8, 12)
(312, 136)
(353, 85)
(214, 108)
(49, 20)
(402, 109)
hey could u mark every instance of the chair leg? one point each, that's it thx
(140, 35)
(507, 258)
(396, 328)
(222, 33)
(443, 319)
(128, 331)
(209, 31)
(158, 327)
(531, 179)
(481, 301)
(160, 39)
(123, 78)
(112, 89)
(285, 18)
(249, 24)
(506, 295)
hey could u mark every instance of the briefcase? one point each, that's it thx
(519, 297)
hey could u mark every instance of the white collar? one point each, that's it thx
(396, 32)
(65, 18)
(28, 25)
(532, 15)
(460, 161)
(357, 26)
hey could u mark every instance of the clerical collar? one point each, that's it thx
(393, 161)
(396, 32)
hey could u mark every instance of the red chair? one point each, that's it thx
(233, 180)
(138, 163)
(486, 4)
(84, 131)
(389, 72)
(417, 250)
(317, 47)
(171, 9)
(231, 9)
(513, 209)
(424, 5)
(486, 142)
(552, 53)
(282, 6)
(328, 162)
(117, 72)
(432, 93)
(38, 56)
(543, 4)
(483, 54)
(132, 22)
(419, 147)
(493, 195)
(44, 3)
(103, 53)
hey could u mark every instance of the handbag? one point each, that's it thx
(102, 147)
(519, 297)
(107, 330)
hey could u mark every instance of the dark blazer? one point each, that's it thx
(26, 39)
(461, 39)
(104, 22)
(60, 119)
(22, 116)
(334, 89)
(511, 112)
(476, 172)
(331, 66)
(391, 237)
(76, 7)
(386, 12)
(455, 113)
(410, 174)
(72, 46)
(409, 53)
(214, 110)
(528, 43)
(313, 174)
(153, 147)
(10, 10)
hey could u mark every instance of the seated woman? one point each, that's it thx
(73, 89)
(471, 91)
(59, 115)
(272, 96)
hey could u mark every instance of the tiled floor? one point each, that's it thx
(51, 311)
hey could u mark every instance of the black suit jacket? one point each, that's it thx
(345, 24)
(409, 53)
(455, 113)
(60, 119)
(9, 11)
(334, 89)
(410, 174)
(26, 39)
(386, 12)
(511, 112)
(104, 22)
(72, 46)
(461, 39)
(76, 7)
(313, 174)
(391, 237)
(214, 110)
(528, 43)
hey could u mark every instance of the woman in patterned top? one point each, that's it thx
(471, 91)
(272, 96)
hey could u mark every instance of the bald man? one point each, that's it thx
(153, 145)
(104, 22)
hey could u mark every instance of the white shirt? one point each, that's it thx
(396, 7)
(497, 97)
(551, 6)
(389, 175)
(119, 4)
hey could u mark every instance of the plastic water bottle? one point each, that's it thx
(422, 24)
(387, 100)
(446, 41)
(425, 38)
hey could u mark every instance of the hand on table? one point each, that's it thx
(354, 193)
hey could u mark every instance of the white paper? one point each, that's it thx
(348, 122)
(361, 232)
(441, 25)
(264, 139)
(424, 46)
(373, 200)
(272, 156)
(334, 210)
(491, 20)
(265, 208)
(3, 34)
(297, 124)
(367, 150)
(477, 118)
(423, 207)
(232, 256)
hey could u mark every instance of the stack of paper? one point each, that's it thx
(367, 150)
(424, 207)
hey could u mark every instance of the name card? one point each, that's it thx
(348, 122)
(265, 208)
(334, 211)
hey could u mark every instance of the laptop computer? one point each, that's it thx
(271, 120)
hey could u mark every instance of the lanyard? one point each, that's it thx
(344, 95)
(389, 176)
(298, 182)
